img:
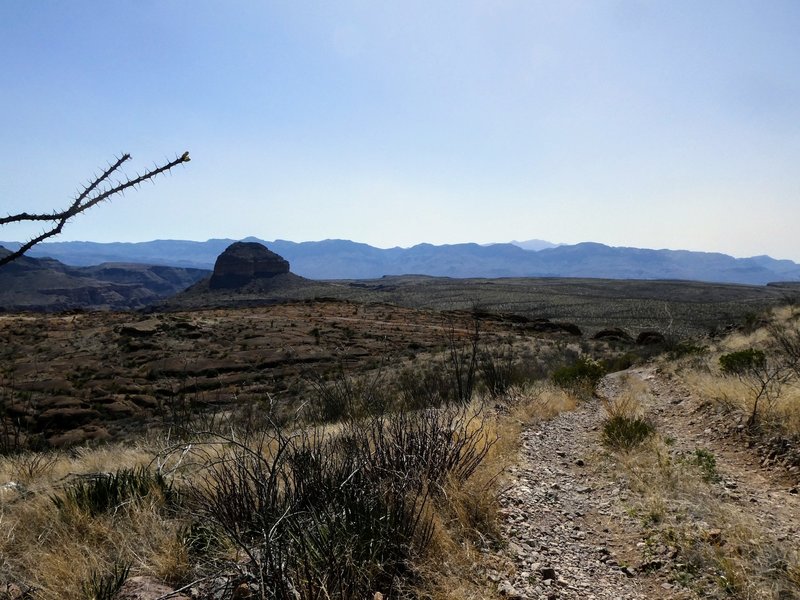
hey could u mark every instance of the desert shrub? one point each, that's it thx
(623, 432)
(742, 361)
(345, 396)
(15, 434)
(786, 340)
(201, 538)
(105, 492)
(707, 463)
(763, 376)
(424, 387)
(618, 363)
(336, 515)
(28, 466)
(450, 379)
(676, 349)
(583, 373)
(497, 372)
(463, 361)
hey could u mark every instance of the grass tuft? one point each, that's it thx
(106, 492)
(622, 432)
(104, 586)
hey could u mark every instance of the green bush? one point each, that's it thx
(676, 350)
(619, 363)
(742, 361)
(624, 433)
(707, 463)
(583, 372)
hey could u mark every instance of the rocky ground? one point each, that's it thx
(567, 507)
(71, 378)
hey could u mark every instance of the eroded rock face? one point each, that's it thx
(243, 262)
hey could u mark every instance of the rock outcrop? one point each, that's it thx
(244, 262)
(44, 284)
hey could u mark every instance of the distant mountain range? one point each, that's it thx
(344, 259)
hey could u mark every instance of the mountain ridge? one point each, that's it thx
(345, 259)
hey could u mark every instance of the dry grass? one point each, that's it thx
(781, 413)
(467, 524)
(724, 547)
(629, 402)
(724, 550)
(58, 551)
(778, 410)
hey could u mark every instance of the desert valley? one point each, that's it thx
(250, 433)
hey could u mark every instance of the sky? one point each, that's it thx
(655, 124)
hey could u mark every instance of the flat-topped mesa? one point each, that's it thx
(243, 262)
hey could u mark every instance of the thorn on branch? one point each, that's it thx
(84, 200)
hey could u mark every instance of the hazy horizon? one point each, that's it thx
(672, 125)
(57, 240)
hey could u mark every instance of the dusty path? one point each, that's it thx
(566, 507)
(563, 509)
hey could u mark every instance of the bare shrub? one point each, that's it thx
(760, 372)
(340, 514)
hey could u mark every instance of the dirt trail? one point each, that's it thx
(566, 507)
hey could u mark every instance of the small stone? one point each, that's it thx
(548, 573)
(515, 549)
(242, 592)
(508, 590)
(714, 535)
(146, 588)
(15, 592)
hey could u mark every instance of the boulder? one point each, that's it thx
(650, 338)
(244, 262)
(615, 334)
(146, 588)
(141, 328)
(547, 326)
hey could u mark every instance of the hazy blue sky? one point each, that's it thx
(661, 124)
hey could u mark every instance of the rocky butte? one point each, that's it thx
(244, 262)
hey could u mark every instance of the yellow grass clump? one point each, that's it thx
(57, 551)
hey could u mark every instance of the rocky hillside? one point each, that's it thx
(49, 285)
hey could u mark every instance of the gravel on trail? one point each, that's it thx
(565, 508)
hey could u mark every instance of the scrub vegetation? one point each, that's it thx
(333, 449)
